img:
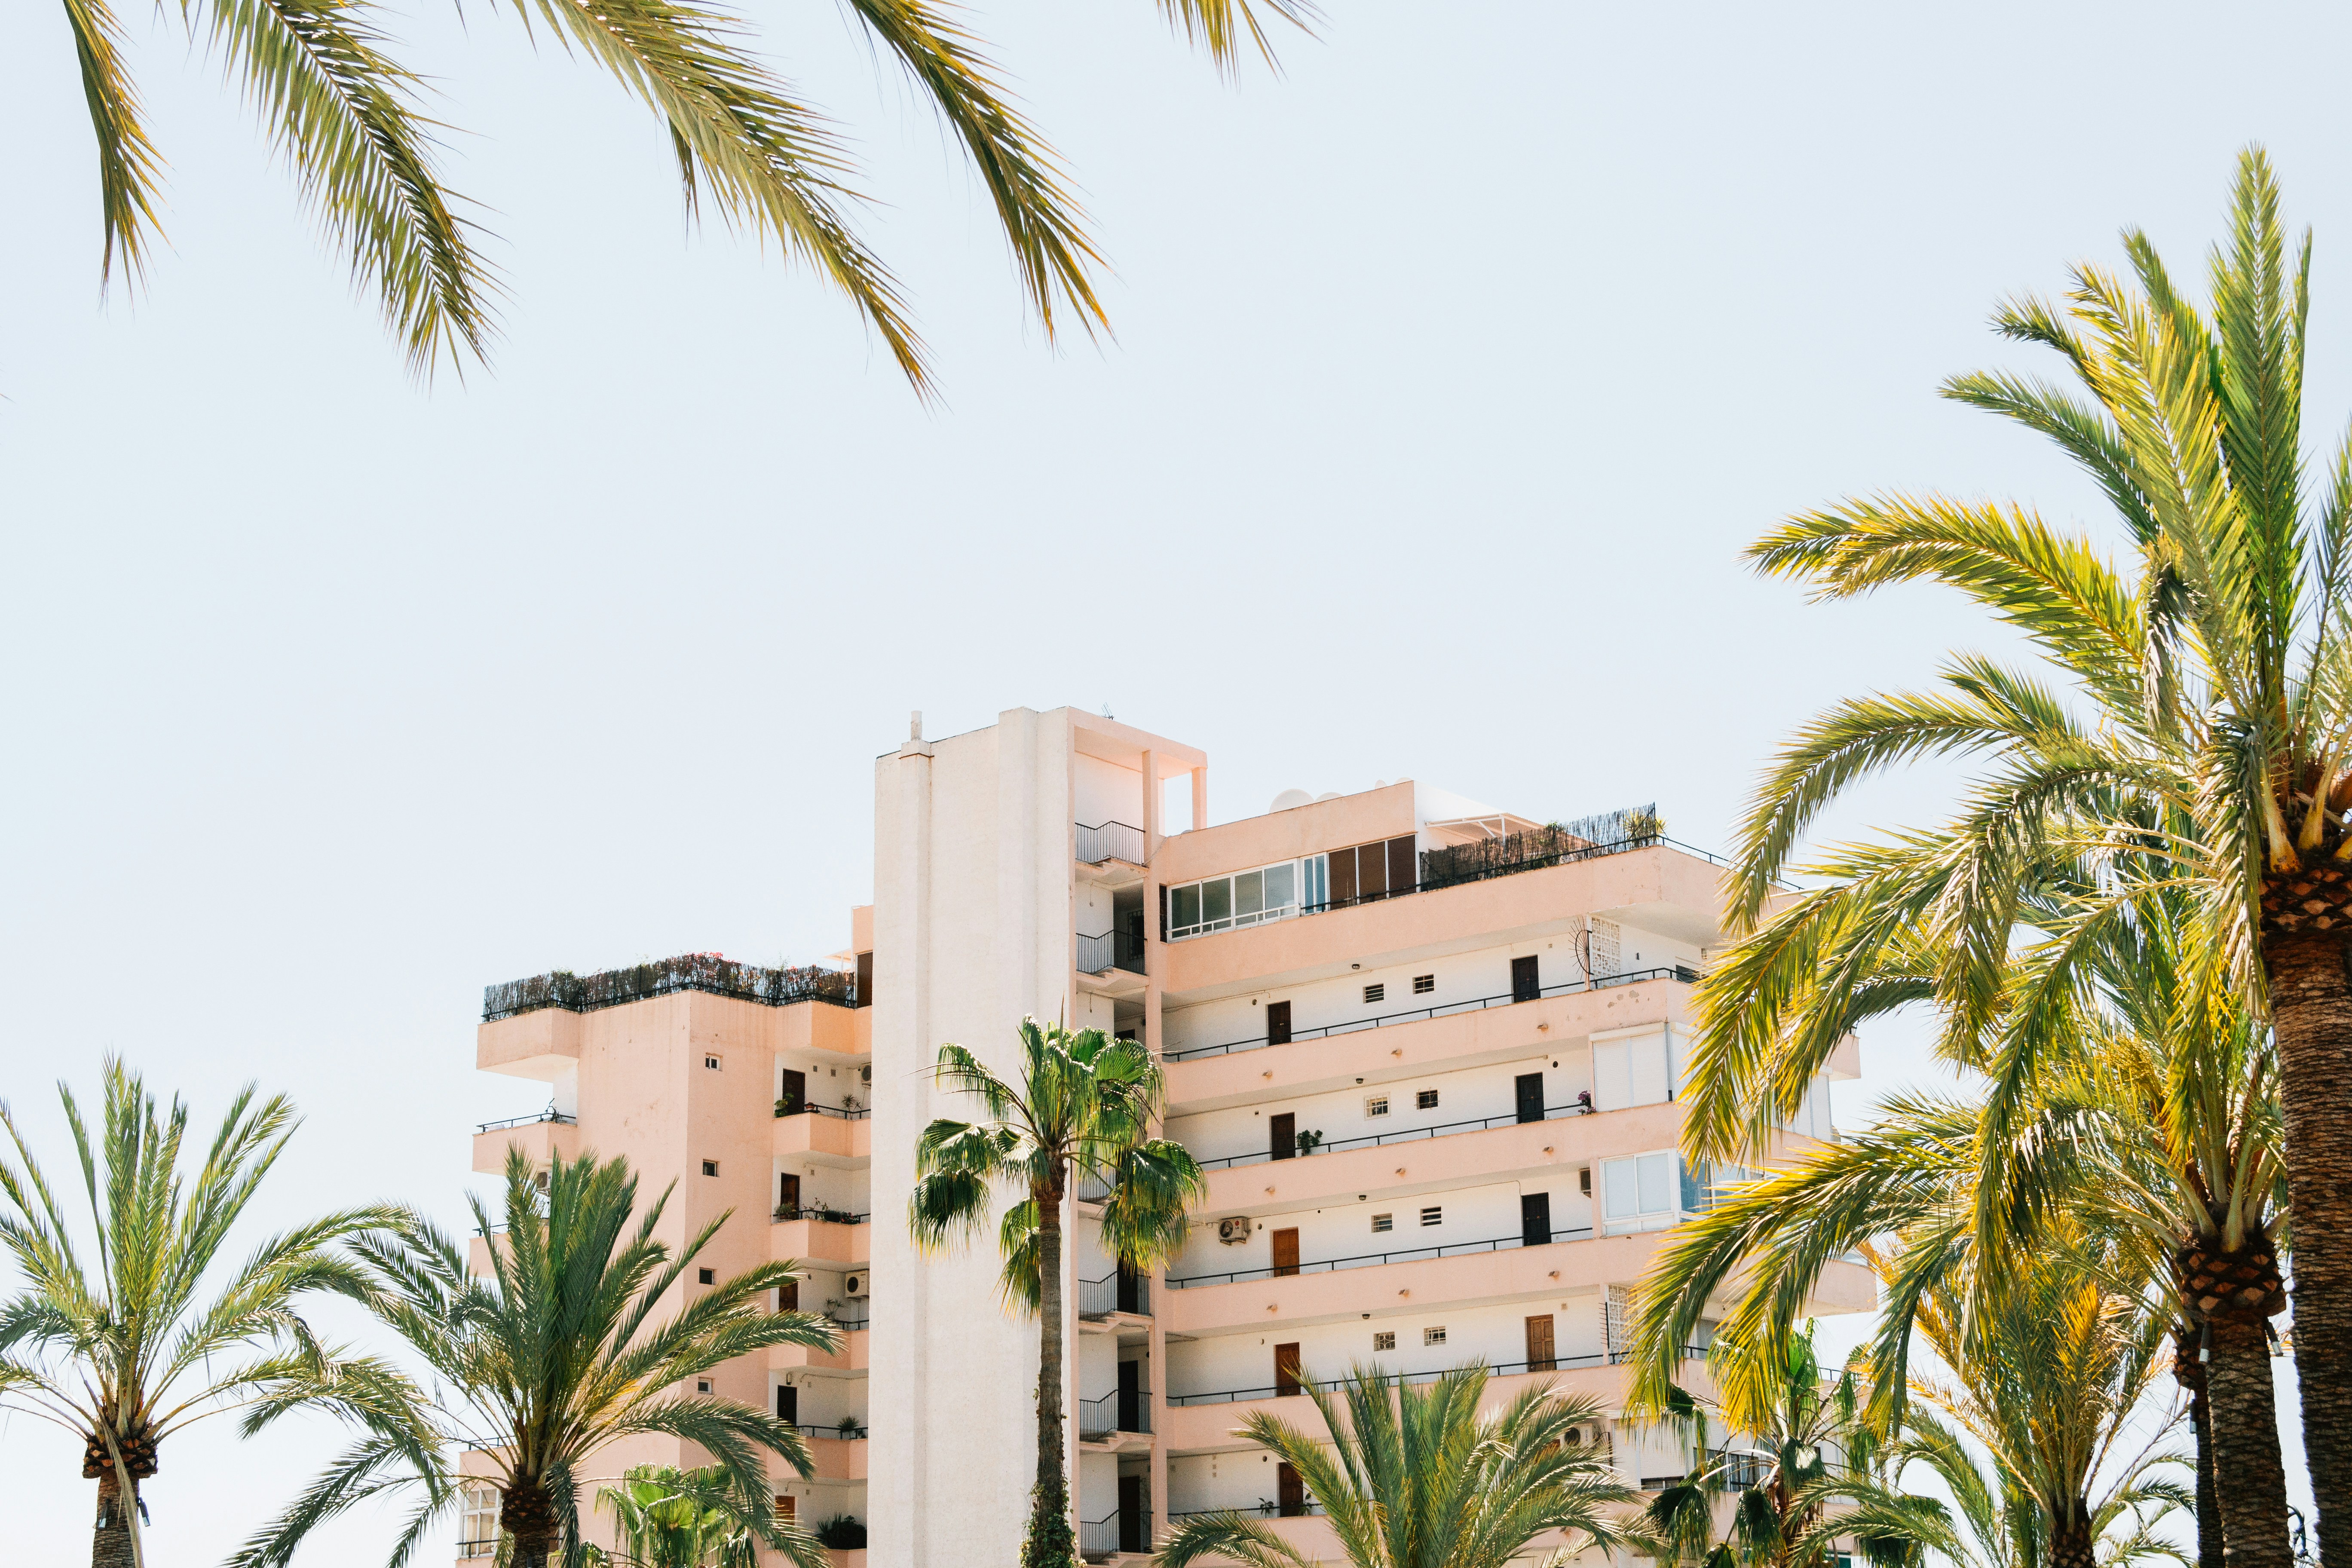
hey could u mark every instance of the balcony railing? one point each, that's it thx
(1123, 1529)
(1506, 1369)
(790, 1107)
(1112, 950)
(1128, 1410)
(489, 1548)
(1375, 1259)
(1682, 973)
(849, 1430)
(1111, 841)
(1120, 1292)
(551, 1116)
(829, 1217)
(848, 1325)
(1267, 1508)
(1409, 1136)
(703, 972)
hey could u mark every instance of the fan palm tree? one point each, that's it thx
(2206, 724)
(1808, 1476)
(664, 1517)
(1080, 1106)
(349, 118)
(557, 1354)
(1414, 1477)
(116, 1345)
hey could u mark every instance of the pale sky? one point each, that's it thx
(1452, 369)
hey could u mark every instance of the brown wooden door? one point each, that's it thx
(788, 1403)
(1285, 1371)
(1527, 978)
(1372, 872)
(1343, 878)
(788, 1509)
(1281, 1135)
(1277, 1023)
(1134, 1522)
(795, 1095)
(1285, 1253)
(788, 1195)
(1289, 1492)
(788, 1297)
(1402, 875)
(1539, 1352)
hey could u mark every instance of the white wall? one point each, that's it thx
(1485, 1212)
(1470, 1095)
(1105, 792)
(1493, 1334)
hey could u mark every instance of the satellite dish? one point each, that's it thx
(1329, 794)
(1290, 798)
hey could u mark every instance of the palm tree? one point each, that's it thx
(553, 1357)
(124, 1355)
(1081, 1107)
(2207, 725)
(664, 1517)
(348, 118)
(1809, 1476)
(2005, 1528)
(1414, 1477)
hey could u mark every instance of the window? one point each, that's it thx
(1244, 898)
(478, 1530)
(1376, 991)
(1384, 1341)
(713, 1064)
(1435, 1336)
(788, 1508)
(1425, 1100)
(706, 1276)
(1423, 984)
(1433, 1215)
(1383, 1223)
(1378, 1105)
(710, 1167)
(1635, 1067)
(701, 1385)
(1638, 1194)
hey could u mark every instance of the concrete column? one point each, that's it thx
(1200, 798)
(1150, 806)
(1159, 1481)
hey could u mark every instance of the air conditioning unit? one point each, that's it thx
(853, 1285)
(865, 1075)
(1234, 1231)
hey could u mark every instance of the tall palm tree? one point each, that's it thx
(1080, 1107)
(118, 1346)
(1807, 1477)
(2003, 1526)
(348, 118)
(557, 1354)
(1414, 1477)
(664, 1517)
(2206, 724)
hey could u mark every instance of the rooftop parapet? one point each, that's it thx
(704, 971)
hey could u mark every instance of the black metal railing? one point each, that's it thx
(1125, 1410)
(704, 971)
(1738, 1468)
(1109, 841)
(1504, 1369)
(846, 1324)
(849, 1431)
(1267, 1508)
(1409, 1136)
(1122, 1529)
(486, 1547)
(1111, 950)
(1120, 1292)
(791, 1107)
(551, 1116)
(830, 1217)
(1375, 1259)
(1681, 972)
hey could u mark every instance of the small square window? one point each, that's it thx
(1382, 1222)
(1435, 1336)
(701, 1385)
(1375, 991)
(1384, 1341)
(1433, 1215)
(713, 1063)
(1423, 984)
(1425, 1100)
(1378, 1105)
(710, 1167)
(707, 1276)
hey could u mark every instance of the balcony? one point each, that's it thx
(1374, 1259)
(1115, 1420)
(1121, 1533)
(838, 1452)
(540, 1138)
(1111, 963)
(852, 1355)
(1107, 846)
(821, 1236)
(704, 971)
(825, 1133)
(1119, 1294)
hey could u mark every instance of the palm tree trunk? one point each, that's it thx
(2245, 1446)
(110, 1546)
(2072, 1543)
(2311, 1015)
(529, 1518)
(1051, 1543)
(2189, 1373)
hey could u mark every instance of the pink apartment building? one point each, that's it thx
(1427, 1049)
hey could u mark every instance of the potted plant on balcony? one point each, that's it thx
(1311, 1141)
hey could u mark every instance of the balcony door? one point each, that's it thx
(1285, 1371)
(1526, 981)
(788, 1404)
(1130, 1396)
(1285, 1253)
(1290, 1493)
(1134, 1523)
(1529, 1088)
(1282, 1132)
(1535, 1219)
(1277, 1023)
(788, 1195)
(1539, 1352)
(795, 1092)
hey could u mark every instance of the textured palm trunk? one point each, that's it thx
(1051, 1543)
(2189, 1373)
(111, 1545)
(2311, 1015)
(2072, 1543)
(530, 1519)
(2244, 1419)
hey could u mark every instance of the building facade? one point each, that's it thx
(1427, 1050)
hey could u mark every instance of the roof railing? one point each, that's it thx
(704, 971)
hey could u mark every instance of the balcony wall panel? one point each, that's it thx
(817, 1241)
(836, 1136)
(538, 1141)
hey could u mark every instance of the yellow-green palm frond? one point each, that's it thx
(343, 113)
(1220, 28)
(129, 167)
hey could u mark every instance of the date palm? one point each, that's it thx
(2205, 722)
(1078, 1107)
(348, 118)
(664, 1517)
(561, 1350)
(1415, 1476)
(119, 1345)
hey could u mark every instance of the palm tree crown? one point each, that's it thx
(560, 1351)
